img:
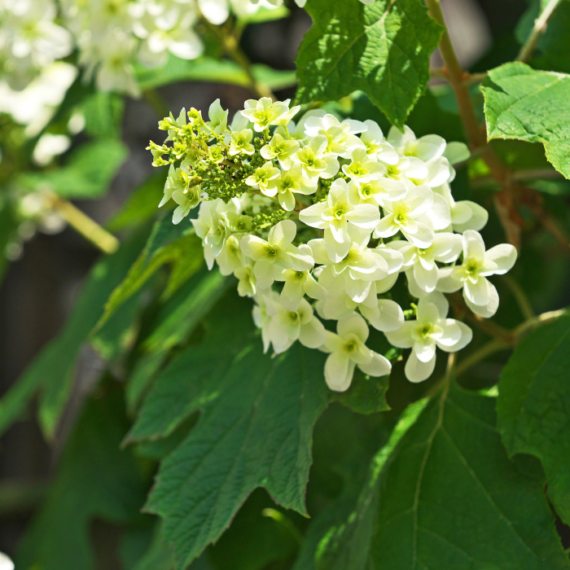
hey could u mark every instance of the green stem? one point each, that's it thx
(538, 30)
(520, 297)
(83, 224)
(480, 354)
(230, 43)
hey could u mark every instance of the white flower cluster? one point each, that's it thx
(112, 34)
(30, 40)
(317, 219)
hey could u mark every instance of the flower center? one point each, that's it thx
(339, 213)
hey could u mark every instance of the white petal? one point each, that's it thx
(390, 316)
(354, 324)
(313, 334)
(424, 351)
(312, 216)
(440, 214)
(488, 310)
(335, 250)
(477, 293)
(456, 152)
(338, 372)
(504, 255)
(402, 337)
(283, 233)
(364, 215)
(477, 220)
(447, 283)
(377, 366)
(466, 335)
(417, 371)
(319, 251)
(473, 245)
(440, 302)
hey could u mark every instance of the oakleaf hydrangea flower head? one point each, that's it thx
(320, 219)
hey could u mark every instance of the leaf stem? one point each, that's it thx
(520, 297)
(83, 224)
(486, 350)
(497, 344)
(540, 25)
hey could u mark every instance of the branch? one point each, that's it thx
(515, 336)
(83, 224)
(540, 25)
(230, 44)
(477, 137)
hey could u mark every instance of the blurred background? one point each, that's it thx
(39, 289)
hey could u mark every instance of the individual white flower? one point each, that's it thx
(465, 215)
(213, 226)
(264, 179)
(356, 273)
(291, 182)
(276, 253)
(312, 159)
(347, 350)
(407, 168)
(333, 217)
(247, 283)
(240, 142)
(361, 168)
(297, 284)
(420, 263)
(281, 149)
(175, 36)
(341, 136)
(300, 324)
(383, 314)
(409, 216)
(425, 148)
(265, 112)
(480, 295)
(377, 148)
(376, 192)
(115, 70)
(429, 330)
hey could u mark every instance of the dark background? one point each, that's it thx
(39, 289)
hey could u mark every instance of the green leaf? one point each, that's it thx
(212, 70)
(52, 370)
(529, 105)
(88, 173)
(533, 411)
(447, 496)
(95, 479)
(141, 205)
(174, 323)
(264, 14)
(383, 49)
(276, 537)
(167, 244)
(255, 430)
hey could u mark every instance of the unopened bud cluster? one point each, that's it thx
(318, 218)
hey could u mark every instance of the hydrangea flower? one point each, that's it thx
(430, 330)
(323, 215)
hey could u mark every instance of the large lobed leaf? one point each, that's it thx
(382, 49)
(525, 104)
(534, 406)
(255, 430)
(447, 497)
